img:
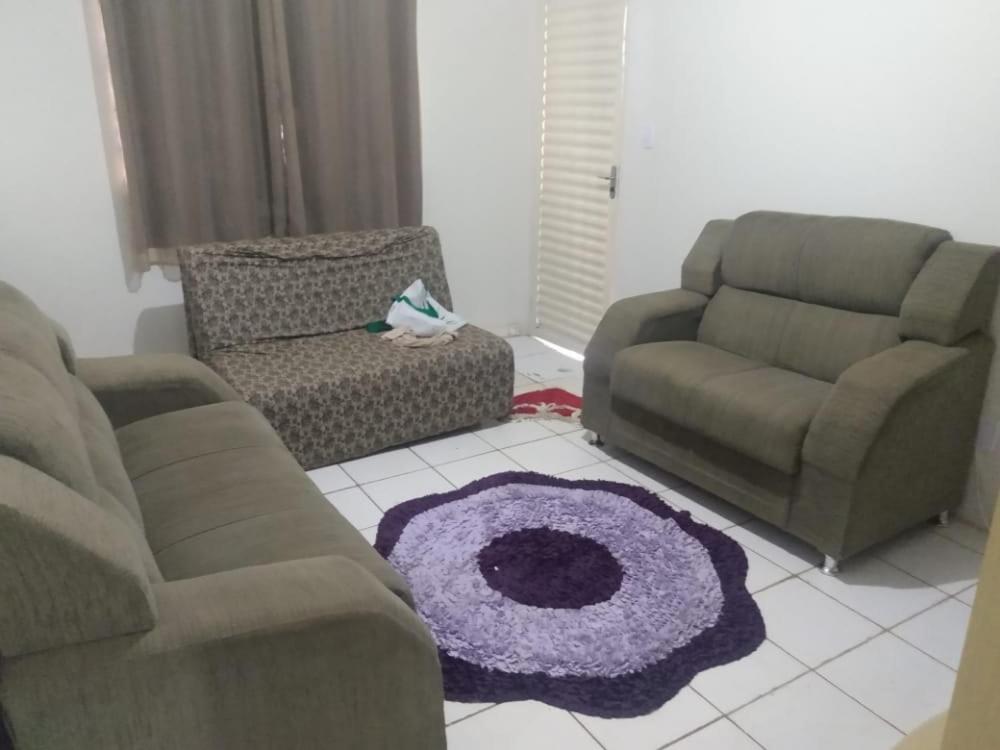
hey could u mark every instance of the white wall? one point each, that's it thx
(481, 96)
(481, 84)
(58, 238)
(888, 108)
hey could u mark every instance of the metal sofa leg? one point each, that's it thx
(593, 438)
(831, 565)
(944, 518)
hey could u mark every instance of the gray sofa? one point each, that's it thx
(171, 578)
(825, 374)
(283, 321)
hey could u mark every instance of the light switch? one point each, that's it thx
(648, 137)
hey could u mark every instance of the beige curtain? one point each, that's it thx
(346, 96)
(246, 118)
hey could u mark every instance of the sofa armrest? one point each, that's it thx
(954, 294)
(660, 316)
(869, 393)
(294, 654)
(134, 387)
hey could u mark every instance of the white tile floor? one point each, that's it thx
(850, 662)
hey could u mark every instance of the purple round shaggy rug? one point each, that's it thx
(591, 596)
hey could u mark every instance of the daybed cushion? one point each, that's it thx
(219, 491)
(761, 411)
(344, 395)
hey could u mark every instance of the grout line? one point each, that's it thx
(371, 499)
(776, 688)
(867, 708)
(448, 481)
(746, 734)
(398, 476)
(342, 489)
(815, 670)
(589, 733)
(900, 638)
(967, 588)
(723, 718)
(811, 670)
(389, 476)
(938, 530)
(727, 716)
(514, 445)
(842, 604)
(928, 583)
(774, 584)
(469, 716)
(720, 717)
(883, 629)
(511, 458)
(923, 612)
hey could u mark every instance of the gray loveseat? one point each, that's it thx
(171, 578)
(283, 321)
(825, 374)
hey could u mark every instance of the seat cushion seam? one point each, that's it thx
(687, 406)
(215, 452)
(233, 523)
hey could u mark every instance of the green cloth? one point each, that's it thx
(427, 309)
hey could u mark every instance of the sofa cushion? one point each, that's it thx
(196, 469)
(39, 427)
(762, 252)
(763, 412)
(114, 492)
(29, 336)
(69, 572)
(659, 377)
(209, 478)
(349, 394)
(52, 423)
(864, 265)
(746, 323)
(102, 450)
(813, 340)
(66, 348)
(248, 291)
(275, 537)
(187, 498)
(178, 436)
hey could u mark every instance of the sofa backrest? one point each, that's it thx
(256, 290)
(61, 579)
(813, 294)
(861, 265)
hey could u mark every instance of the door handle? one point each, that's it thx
(612, 181)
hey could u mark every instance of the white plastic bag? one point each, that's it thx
(416, 310)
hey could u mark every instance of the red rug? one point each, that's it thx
(547, 403)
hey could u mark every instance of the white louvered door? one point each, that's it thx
(581, 120)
